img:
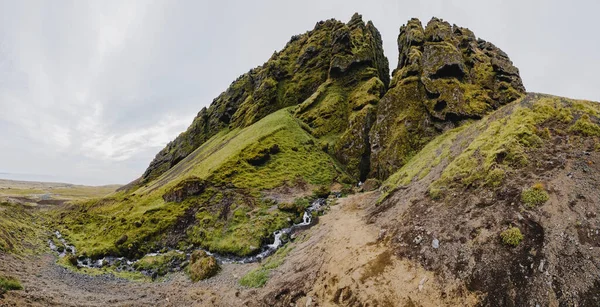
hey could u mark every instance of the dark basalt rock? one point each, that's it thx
(343, 108)
(288, 78)
(445, 75)
(189, 187)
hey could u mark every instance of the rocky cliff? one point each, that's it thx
(445, 75)
(333, 52)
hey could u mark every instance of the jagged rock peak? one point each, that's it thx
(444, 75)
(332, 50)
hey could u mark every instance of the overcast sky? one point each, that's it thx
(90, 91)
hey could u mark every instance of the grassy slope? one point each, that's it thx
(496, 146)
(63, 191)
(21, 232)
(234, 218)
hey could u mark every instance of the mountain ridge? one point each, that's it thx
(474, 171)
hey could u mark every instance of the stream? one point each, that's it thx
(124, 264)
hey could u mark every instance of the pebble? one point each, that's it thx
(422, 282)
(435, 243)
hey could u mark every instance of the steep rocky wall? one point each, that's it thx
(342, 110)
(287, 78)
(338, 76)
(445, 75)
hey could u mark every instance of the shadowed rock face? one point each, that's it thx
(445, 75)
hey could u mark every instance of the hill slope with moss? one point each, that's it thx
(511, 201)
(318, 112)
(489, 192)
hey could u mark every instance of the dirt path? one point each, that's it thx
(340, 261)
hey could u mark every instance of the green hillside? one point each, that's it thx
(228, 214)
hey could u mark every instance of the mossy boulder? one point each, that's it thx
(202, 266)
(445, 76)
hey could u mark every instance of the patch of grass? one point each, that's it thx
(535, 196)
(512, 236)
(8, 283)
(429, 157)
(502, 143)
(21, 231)
(160, 264)
(259, 276)
(584, 126)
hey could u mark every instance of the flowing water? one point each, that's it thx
(124, 264)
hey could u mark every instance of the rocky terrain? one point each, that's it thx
(446, 185)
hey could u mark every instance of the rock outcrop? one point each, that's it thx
(342, 110)
(288, 78)
(445, 75)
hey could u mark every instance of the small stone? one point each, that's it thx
(418, 239)
(308, 302)
(435, 243)
(422, 282)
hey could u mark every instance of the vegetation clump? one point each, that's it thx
(535, 196)
(160, 264)
(20, 230)
(512, 236)
(585, 126)
(202, 266)
(8, 283)
(259, 276)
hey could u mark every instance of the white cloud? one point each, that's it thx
(91, 90)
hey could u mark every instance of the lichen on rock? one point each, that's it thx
(445, 75)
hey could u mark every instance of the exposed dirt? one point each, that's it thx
(557, 264)
(340, 261)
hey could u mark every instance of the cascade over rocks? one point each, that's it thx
(444, 75)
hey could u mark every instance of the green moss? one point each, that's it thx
(231, 181)
(8, 283)
(202, 266)
(584, 126)
(258, 277)
(429, 157)
(534, 196)
(161, 263)
(495, 177)
(502, 143)
(512, 236)
(22, 231)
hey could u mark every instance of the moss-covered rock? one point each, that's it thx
(202, 266)
(342, 110)
(288, 78)
(445, 76)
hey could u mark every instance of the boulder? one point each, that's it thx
(202, 266)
